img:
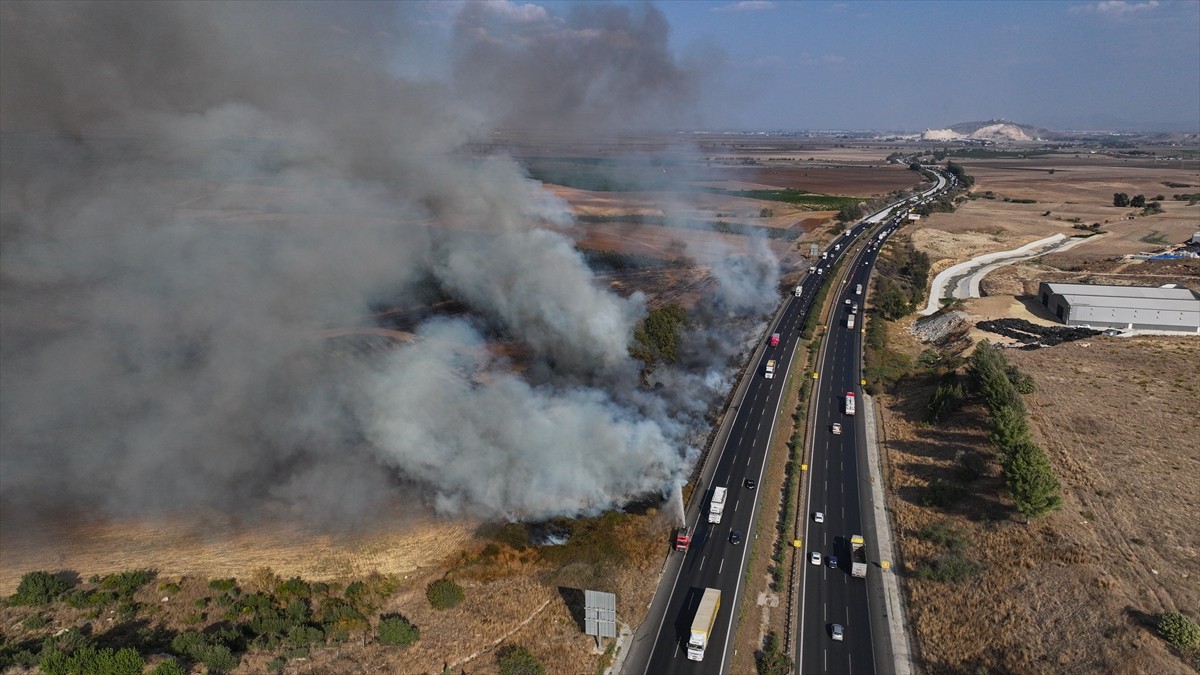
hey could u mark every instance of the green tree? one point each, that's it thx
(39, 588)
(849, 212)
(1120, 199)
(1180, 631)
(947, 398)
(397, 630)
(444, 594)
(915, 166)
(517, 660)
(1138, 201)
(1031, 480)
(1009, 428)
(657, 337)
(890, 299)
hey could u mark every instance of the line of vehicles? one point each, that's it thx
(709, 605)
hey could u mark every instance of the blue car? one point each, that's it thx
(832, 560)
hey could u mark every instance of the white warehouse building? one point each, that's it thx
(1124, 307)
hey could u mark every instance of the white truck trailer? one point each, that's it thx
(717, 507)
(858, 556)
(702, 624)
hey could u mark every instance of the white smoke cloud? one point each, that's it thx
(192, 193)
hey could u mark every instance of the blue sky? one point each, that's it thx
(913, 65)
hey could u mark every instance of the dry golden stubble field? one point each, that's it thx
(1077, 189)
(1073, 592)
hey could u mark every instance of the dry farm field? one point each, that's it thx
(1079, 590)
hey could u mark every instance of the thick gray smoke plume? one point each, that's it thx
(192, 193)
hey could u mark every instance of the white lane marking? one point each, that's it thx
(735, 504)
(702, 559)
(721, 566)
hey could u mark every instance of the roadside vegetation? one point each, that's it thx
(901, 274)
(282, 618)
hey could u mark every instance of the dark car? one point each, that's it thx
(735, 537)
(832, 560)
(750, 484)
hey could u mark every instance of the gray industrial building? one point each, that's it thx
(1124, 307)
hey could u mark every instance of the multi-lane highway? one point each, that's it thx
(714, 560)
(830, 595)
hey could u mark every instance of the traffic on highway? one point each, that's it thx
(692, 619)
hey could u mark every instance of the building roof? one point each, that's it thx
(1133, 304)
(1122, 294)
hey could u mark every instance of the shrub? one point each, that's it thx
(1023, 382)
(397, 630)
(91, 661)
(224, 585)
(35, 622)
(948, 568)
(516, 660)
(1180, 631)
(218, 658)
(125, 584)
(771, 660)
(39, 588)
(168, 667)
(444, 594)
(942, 493)
(943, 533)
(293, 588)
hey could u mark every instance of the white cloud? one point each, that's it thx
(747, 6)
(1114, 8)
(526, 13)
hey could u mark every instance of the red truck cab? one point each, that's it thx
(683, 539)
(775, 339)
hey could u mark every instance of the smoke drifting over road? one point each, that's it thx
(191, 192)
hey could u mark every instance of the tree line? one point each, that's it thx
(1030, 478)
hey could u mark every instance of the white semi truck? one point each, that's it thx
(850, 321)
(717, 506)
(702, 624)
(770, 372)
(849, 403)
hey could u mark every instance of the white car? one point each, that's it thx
(815, 558)
(837, 428)
(847, 301)
(818, 517)
(837, 632)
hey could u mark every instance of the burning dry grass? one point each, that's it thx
(1074, 592)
